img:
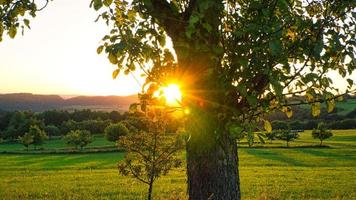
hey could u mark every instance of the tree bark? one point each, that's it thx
(212, 162)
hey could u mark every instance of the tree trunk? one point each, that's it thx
(212, 161)
(321, 142)
(150, 187)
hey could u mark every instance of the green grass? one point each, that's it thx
(269, 172)
(56, 144)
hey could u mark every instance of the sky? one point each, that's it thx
(58, 55)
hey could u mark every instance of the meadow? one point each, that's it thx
(267, 171)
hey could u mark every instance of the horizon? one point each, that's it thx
(66, 96)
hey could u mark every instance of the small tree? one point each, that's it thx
(321, 133)
(52, 130)
(114, 131)
(26, 140)
(39, 135)
(150, 154)
(78, 138)
(286, 135)
(270, 136)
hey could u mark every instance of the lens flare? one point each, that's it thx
(172, 94)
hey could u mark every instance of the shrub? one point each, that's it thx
(321, 133)
(26, 140)
(114, 131)
(52, 130)
(279, 125)
(286, 135)
(39, 135)
(78, 138)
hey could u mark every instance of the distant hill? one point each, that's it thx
(38, 103)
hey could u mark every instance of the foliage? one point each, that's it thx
(78, 138)
(114, 131)
(20, 123)
(52, 130)
(150, 154)
(322, 133)
(26, 140)
(287, 135)
(39, 136)
(280, 125)
(14, 15)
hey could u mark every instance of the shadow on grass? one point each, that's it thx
(285, 147)
(325, 154)
(275, 156)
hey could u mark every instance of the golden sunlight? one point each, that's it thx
(172, 94)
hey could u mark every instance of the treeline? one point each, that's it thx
(302, 120)
(312, 124)
(58, 123)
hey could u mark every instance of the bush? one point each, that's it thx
(38, 135)
(26, 140)
(78, 138)
(114, 131)
(52, 130)
(286, 135)
(321, 133)
(279, 125)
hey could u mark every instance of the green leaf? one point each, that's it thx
(112, 58)
(289, 112)
(350, 82)
(315, 109)
(99, 49)
(267, 126)
(318, 48)
(12, 32)
(27, 23)
(330, 105)
(97, 4)
(107, 3)
(115, 73)
(275, 47)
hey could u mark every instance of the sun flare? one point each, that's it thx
(172, 94)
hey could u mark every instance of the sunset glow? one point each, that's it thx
(172, 94)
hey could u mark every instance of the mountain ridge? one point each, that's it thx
(40, 102)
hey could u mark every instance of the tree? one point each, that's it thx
(78, 138)
(26, 140)
(150, 154)
(52, 130)
(236, 61)
(114, 131)
(321, 133)
(286, 135)
(38, 135)
(271, 136)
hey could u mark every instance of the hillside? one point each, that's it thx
(38, 103)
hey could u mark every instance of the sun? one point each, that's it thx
(172, 94)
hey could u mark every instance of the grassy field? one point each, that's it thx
(56, 145)
(270, 171)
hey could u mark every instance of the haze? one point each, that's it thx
(58, 55)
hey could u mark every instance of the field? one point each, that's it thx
(270, 171)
